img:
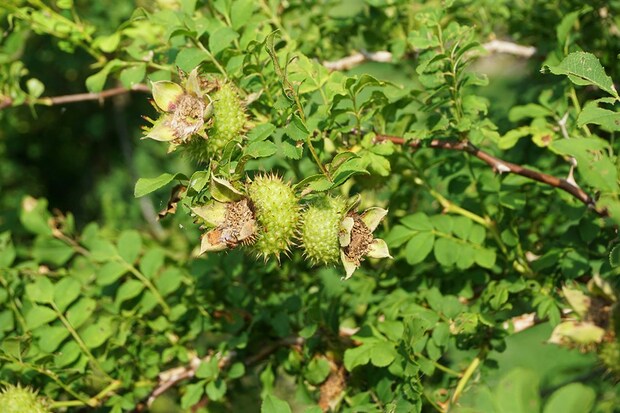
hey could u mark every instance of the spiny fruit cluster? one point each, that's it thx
(200, 115)
(17, 399)
(266, 216)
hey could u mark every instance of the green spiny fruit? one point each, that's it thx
(320, 229)
(609, 354)
(277, 213)
(228, 117)
(17, 399)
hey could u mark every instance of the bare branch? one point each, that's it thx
(494, 46)
(501, 166)
(502, 46)
(6, 101)
(358, 58)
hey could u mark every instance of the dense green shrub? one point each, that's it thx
(353, 216)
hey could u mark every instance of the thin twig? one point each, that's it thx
(501, 166)
(494, 46)
(6, 101)
(502, 46)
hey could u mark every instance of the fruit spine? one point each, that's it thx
(320, 228)
(17, 399)
(277, 214)
(228, 117)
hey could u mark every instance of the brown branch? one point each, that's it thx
(6, 101)
(501, 166)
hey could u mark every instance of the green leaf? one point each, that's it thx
(52, 250)
(68, 353)
(110, 272)
(418, 221)
(378, 353)
(193, 394)
(96, 334)
(592, 114)
(41, 290)
(317, 371)
(66, 291)
(271, 404)
(419, 246)
(102, 250)
(96, 82)
(145, 186)
(64, 4)
(485, 257)
(129, 245)
(572, 398)
(383, 354)
(241, 13)
(81, 311)
(443, 223)
(236, 370)
(39, 315)
(398, 235)
(291, 151)
(614, 256)
(216, 389)
(567, 24)
(133, 75)
(462, 227)
(446, 251)
(152, 261)
(221, 39)
(7, 250)
(517, 392)
(261, 132)
(585, 69)
(109, 43)
(169, 281)
(260, 149)
(296, 129)
(51, 337)
(127, 291)
(189, 58)
(34, 216)
(208, 370)
(593, 161)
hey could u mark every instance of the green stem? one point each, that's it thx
(315, 156)
(441, 367)
(469, 372)
(486, 222)
(453, 208)
(575, 100)
(274, 20)
(92, 402)
(13, 306)
(148, 284)
(213, 59)
(51, 375)
(79, 340)
(433, 403)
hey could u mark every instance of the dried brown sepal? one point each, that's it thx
(238, 228)
(175, 196)
(331, 391)
(361, 239)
